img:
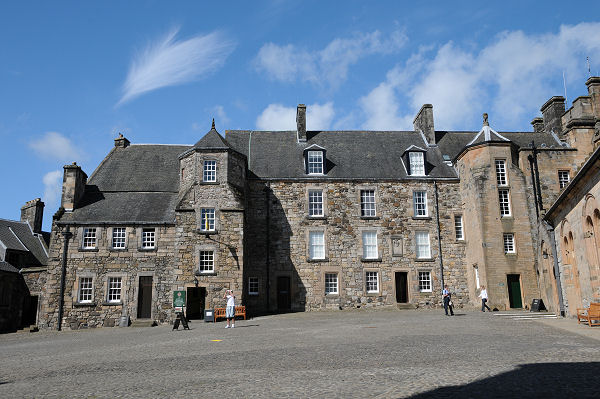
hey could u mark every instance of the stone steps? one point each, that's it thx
(31, 328)
(143, 323)
(405, 306)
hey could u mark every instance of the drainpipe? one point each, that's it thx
(437, 216)
(537, 175)
(535, 194)
(268, 228)
(550, 229)
(66, 235)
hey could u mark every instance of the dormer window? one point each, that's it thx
(209, 173)
(416, 163)
(314, 162)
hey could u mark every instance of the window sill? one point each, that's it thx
(316, 217)
(147, 249)
(373, 293)
(253, 294)
(210, 183)
(462, 241)
(425, 291)
(83, 304)
(207, 232)
(369, 217)
(112, 303)
(205, 273)
(332, 295)
(88, 249)
(421, 217)
(368, 260)
(317, 260)
(424, 259)
(117, 249)
(506, 217)
(511, 254)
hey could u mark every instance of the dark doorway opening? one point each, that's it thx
(195, 303)
(284, 300)
(402, 287)
(514, 290)
(30, 311)
(144, 310)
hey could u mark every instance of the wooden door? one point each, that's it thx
(145, 298)
(195, 303)
(401, 287)
(283, 294)
(514, 290)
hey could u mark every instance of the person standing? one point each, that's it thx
(484, 298)
(230, 309)
(447, 297)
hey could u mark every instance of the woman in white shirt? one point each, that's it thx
(230, 309)
(484, 298)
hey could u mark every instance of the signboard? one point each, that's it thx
(178, 300)
(537, 305)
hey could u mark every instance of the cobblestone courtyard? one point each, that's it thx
(346, 354)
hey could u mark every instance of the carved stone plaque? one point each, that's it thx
(397, 245)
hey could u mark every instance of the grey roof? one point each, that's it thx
(7, 267)
(452, 143)
(212, 140)
(349, 154)
(138, 183)
(18, 236)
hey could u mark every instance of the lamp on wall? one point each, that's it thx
(196, 281)
(545, 254)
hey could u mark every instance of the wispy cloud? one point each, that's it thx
(55, 147)
(326, 67)
(510, 78)
(52, 188)
(168, 62)
(278, 117)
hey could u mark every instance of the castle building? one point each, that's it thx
(306, 220)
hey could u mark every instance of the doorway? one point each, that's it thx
(144, 310)
(402, 287)
(195, 303)
(514, 290)
(30, 307)
(283, 294)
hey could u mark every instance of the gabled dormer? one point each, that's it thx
(314, 160)
(415, 160)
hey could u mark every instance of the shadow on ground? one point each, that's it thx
(544, 380)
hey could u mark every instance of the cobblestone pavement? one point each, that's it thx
(345, 354)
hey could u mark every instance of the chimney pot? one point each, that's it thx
(33, 212)
(301, 122)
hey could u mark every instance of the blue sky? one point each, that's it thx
(75, 74)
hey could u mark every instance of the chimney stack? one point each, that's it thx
(33, 212)
(74, 180)
(424, 122)
(552, 112)
(538, 124)
(121, 141)
(301, 122)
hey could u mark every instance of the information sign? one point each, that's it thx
(178, 299)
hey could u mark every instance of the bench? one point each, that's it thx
(240, 311)
(590, 315)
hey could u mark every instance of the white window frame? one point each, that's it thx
(316, 245)
(119, 235)
(253, 285)
(314, 162)
(85, 292)
(504, 202)
(90, 238)
(209, 171)
(371, 282)
(563, 178)
(332, 284)
(207, 219)
(420, 204)
(416, 163)
(501, 174)
(206, 262)
(509, 243)
(425, 283)
(368, 207)
(148, 238)
(422, 245)
(459, 230)
(114, 289)
(369, 244)
(315, 203)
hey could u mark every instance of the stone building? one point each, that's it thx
(23, 259)
(305, 220)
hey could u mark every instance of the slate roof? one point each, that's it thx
(212, 140)
(452, 143)
(7, 267)
(135, 184)
(349, 154)
(18, 236)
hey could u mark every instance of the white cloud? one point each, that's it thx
(169, 62)
(328, 66)
(510, 79)
(55, 147)
(52, 188)
(278, 117)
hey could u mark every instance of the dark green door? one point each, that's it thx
(514, 290)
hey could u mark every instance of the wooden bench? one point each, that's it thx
(590, 315)
(240, 311)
